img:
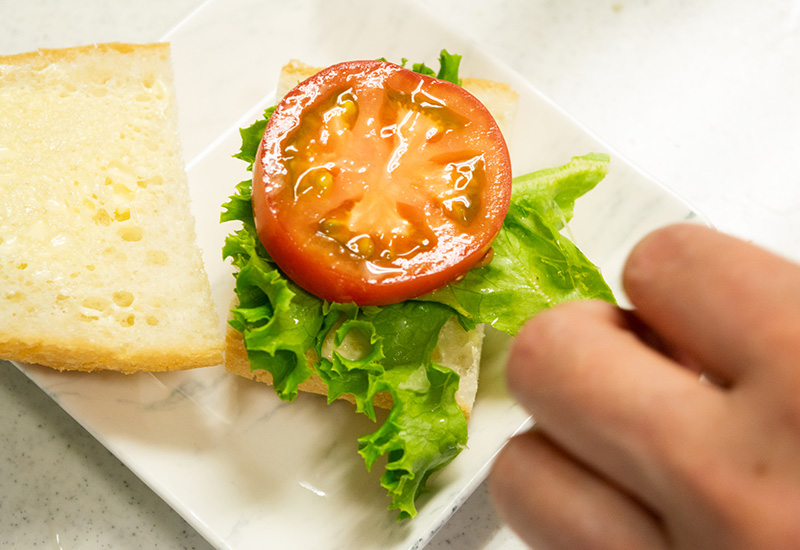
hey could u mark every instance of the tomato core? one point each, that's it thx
(374, 184)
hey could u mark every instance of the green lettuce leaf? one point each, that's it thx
(287, 331)
(534, 266)
(278, 320)
(251, 137)
(448, 67)
(424, 432)
(425, 429)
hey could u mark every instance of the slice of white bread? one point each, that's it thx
(457, 349)
(99, 264)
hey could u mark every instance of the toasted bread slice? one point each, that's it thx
(457, 349)
(99, 262)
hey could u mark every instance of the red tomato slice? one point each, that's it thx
(374, 184)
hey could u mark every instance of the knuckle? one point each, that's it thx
(552, 339)
(535, 342)
(654, 251)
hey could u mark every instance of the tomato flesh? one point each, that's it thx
(374, 184)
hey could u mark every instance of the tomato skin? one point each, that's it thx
(383, 238)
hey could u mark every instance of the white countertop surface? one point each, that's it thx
(701, 95)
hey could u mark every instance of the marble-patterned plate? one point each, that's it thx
(246, 470)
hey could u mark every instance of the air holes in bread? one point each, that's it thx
(122, 298)
(122, 191)
(131, 233)
(96, 303)
(157, 257)
(145, 182)
(102, 217)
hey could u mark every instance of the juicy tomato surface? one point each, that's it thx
(374, 184)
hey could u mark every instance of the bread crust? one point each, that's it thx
(39, 59)
(68, 355)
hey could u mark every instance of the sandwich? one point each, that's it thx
(393, 332)
(99, 264)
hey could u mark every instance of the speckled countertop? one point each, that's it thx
(701, 95)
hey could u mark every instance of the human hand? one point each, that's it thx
(630, 448)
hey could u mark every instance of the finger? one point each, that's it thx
(608, 399)
(655, 342)
(727, 304)
(553, 502)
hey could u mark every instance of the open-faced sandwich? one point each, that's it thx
(380, 233)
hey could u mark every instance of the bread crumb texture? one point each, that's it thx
(99, 264)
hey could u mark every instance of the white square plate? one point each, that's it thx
(246, 470)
